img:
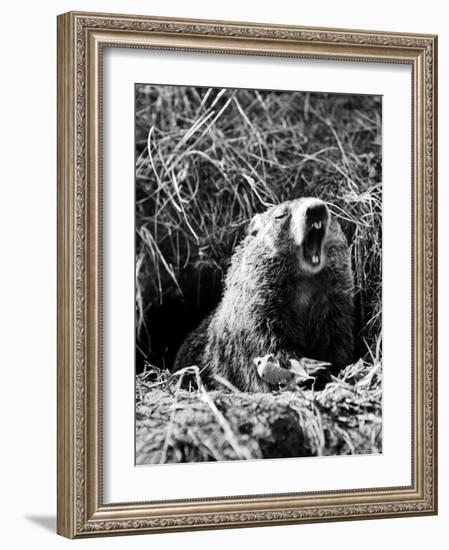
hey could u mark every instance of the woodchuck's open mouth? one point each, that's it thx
(315, 231)
(312, 244)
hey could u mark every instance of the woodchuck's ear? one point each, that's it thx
(255, 224)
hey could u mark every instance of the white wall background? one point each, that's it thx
(28, 272)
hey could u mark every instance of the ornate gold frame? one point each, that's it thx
(81, 37)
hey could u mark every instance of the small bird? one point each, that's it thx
(295, 374)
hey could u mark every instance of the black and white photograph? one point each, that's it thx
(221, 275)
(258, 274)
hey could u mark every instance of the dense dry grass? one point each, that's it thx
(207, 160)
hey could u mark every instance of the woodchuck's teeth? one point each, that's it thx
(317, 225)
(315, 259)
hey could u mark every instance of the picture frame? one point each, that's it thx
(82, 40)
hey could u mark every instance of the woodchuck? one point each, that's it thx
(288, 291)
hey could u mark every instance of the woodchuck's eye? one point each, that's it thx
(280, 215)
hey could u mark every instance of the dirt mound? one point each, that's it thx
(194, 425)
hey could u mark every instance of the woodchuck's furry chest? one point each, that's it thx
(299, 311)
(304, 296)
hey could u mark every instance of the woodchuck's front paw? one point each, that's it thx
(296, 373)
(270, 370)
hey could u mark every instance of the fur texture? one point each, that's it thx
(279, 298)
